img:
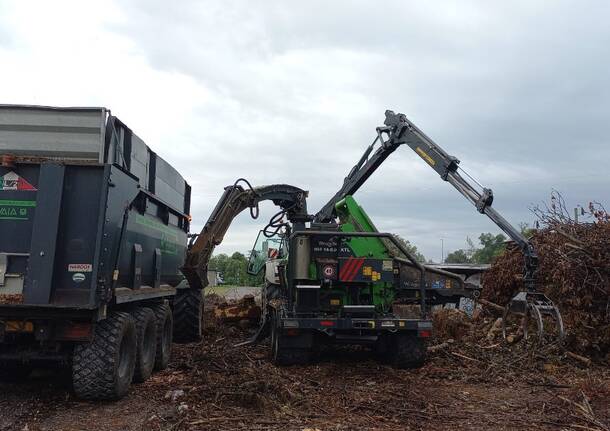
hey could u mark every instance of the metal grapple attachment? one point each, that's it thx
(533, 309)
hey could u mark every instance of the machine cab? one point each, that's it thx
(267, 250)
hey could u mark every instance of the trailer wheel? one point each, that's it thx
(408, 351)
(165, 325)
(103, 369)
(146, 328)
(10, 373)
(280, 353)
(188, 315)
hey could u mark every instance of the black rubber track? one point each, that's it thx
(188, 315)
(146, 322)
(163, 315)
(96, 366)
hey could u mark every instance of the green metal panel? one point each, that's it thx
(353, 218)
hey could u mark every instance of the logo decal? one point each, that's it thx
(78, 277)
(12, 181)
(16, 209)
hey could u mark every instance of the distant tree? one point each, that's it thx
(233, 269)
(493, 245)
(526, 230)
(219, 263)
(458, 256)
(412, 249)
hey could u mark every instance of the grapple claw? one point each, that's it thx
(533, 306)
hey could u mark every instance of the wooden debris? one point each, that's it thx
(491, 305)
(574, 272)
(583, 360)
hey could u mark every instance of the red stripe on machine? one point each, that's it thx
(354, 269)
(346, 267)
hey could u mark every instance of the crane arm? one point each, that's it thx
(235, 199)
(402, 131)
(397, 131)
(368, 163)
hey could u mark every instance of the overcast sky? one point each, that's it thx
(291, 92)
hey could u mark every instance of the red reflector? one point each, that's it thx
(75, 331)
(292, 332)
(327, 323)
(425, 333)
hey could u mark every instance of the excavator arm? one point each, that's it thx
(235, 199)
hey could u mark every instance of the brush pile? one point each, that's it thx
(574, 272)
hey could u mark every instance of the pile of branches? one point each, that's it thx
(574, 271)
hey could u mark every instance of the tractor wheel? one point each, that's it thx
(282, 355)
(407, 351)
(165, 325)
(103, 369)
(188, 315)
(382, 349)
(14, 372)
(146, 326)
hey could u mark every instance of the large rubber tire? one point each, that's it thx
(188, 315)
(408, 351)
(146, 325)
(103, 369)
(10, 373)
(282, 355)
(165, 327)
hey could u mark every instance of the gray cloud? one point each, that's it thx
(517, 93)
(292, 92)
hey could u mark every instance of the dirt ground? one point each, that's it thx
(216, 386)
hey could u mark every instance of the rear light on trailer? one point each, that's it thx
(327, 323)
(81, 331)
(18, 326)
(425, 333)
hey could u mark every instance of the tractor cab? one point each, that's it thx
(268, 252)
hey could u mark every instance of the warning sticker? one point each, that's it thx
(12, 181)
(80, 267)
(329, 271)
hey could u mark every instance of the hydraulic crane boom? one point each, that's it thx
(235, 199)
(402, 131)
(397, 131)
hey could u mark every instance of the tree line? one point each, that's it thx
(490, 247)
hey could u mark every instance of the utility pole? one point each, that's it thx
(442, 251)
